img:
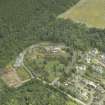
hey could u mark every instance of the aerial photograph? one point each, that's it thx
(52, 52)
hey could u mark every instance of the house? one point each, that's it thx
(88, 58)
(84, 94)
(82, 67)
(100, 89)
(98, 69)
(91, 84)
(56, 49)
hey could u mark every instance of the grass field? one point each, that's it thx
(89, 12)
(23, 74)
(71, 103)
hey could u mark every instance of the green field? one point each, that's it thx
(71, 103)
(23, 74)
(89, 12)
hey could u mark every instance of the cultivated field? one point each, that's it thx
(89, 12)
(15, 77)
(11, 78)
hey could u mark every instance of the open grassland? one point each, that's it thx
(89, 12)
(71, 103)
(23, 74)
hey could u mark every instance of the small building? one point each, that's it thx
(82, 67)
(98, 69)
(89, 83)
(84, 95)
(100, 89)
(95, 51)
(88, 59)
(92, 84)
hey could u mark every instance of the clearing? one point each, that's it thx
(11, 78)
(89, 12)
(15, 77)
